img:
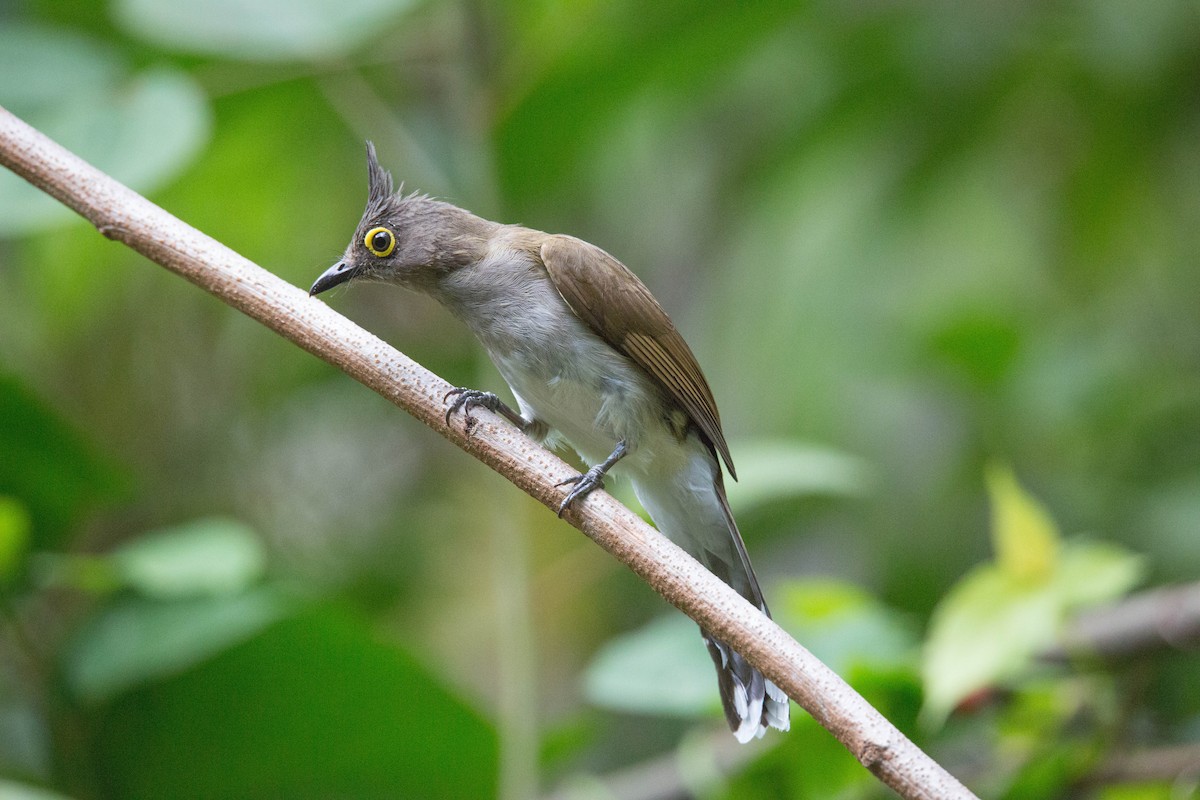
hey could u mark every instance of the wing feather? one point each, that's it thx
(620, 309)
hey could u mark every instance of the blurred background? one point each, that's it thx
(938, 261)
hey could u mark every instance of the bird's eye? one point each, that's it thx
(380, 242)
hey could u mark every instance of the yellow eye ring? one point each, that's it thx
(380, 242)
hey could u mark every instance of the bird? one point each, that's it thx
(591, 358)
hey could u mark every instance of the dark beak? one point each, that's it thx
(338, 273)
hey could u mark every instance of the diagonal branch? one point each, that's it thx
(121, 214)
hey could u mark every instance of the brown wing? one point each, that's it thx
(620, 309)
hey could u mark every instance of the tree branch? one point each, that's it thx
(1179, 762)
(123, 215)
(1159, 619)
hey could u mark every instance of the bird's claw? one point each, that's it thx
(467, 399)
(585, 484)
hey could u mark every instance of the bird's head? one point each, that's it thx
(409, 240)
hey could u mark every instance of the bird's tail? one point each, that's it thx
(690, 508)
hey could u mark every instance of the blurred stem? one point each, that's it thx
(72, 761)
(1166, 618)
(516, 674)
(1179, 763)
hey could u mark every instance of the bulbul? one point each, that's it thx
(590, 356)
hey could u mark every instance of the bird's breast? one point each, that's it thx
(561, 371)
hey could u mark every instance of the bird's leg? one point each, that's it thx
(467, 399)
(592, 479)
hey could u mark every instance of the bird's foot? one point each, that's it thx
(591, 480)
(585, 484)
(468, 399)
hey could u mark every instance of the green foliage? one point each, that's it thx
(661, 668)
(138, 640)
(142, 128)
(848, 629)
(207, 557)
(780, 470)
(316, 706)
(990, 626)
(900, 238)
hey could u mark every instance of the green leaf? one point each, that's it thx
(320, 705)
(142, 129)
(984, 631)
(212, 556)
(36, 59)
(1091, 573)
(990, 626)
(661, 668)
(137, 640)
(773, 470)
(1025, 538)
(268, 30)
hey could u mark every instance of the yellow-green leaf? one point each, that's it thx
(1025, 538)
(983, 633)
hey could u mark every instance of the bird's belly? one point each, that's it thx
(594, 399)
(572, 410)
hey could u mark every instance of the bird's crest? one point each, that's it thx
(379, 185)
